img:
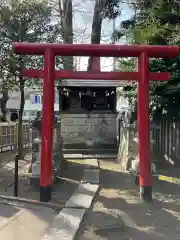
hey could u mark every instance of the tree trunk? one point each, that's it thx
(3, 103)
(67, 23)
(66, 15)
(4, 98)
(96, 28)
(20, 122)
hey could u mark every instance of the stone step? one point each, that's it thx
(83, 196)
(65, 225)
(107, 150)
(91, 163)
(90, 156)
(113, 148)
(91, 176)
(67, 222)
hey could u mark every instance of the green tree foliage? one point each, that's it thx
(129, 91)
(111, 8)
(23, 21)
(157, 23)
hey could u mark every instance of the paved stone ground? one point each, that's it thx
(118, 214)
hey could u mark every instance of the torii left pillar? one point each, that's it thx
(47, 125)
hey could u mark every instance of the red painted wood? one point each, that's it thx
(96, 50)
(47, 120)
(67, 74)
(145, 175)
(143, 52)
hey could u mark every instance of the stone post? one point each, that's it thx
(36, 152)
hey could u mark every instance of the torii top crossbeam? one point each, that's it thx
(97, 50)
(103, 50)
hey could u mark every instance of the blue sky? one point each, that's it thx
(83, 14)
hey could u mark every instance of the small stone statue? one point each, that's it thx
(135, 162)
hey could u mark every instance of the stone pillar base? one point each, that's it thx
(35, 181)
(146, 193)
(45, 193)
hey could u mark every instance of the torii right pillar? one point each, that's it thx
(144, 148)
(145, 175)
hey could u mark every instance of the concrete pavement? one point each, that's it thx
(24, 223)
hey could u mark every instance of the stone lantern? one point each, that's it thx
(36, 150)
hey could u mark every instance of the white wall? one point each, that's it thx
(31, 109)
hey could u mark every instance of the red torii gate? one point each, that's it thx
(142, 52)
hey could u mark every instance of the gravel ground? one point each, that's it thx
(118, 214)
(64, 187)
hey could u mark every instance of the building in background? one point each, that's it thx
(33, 103)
